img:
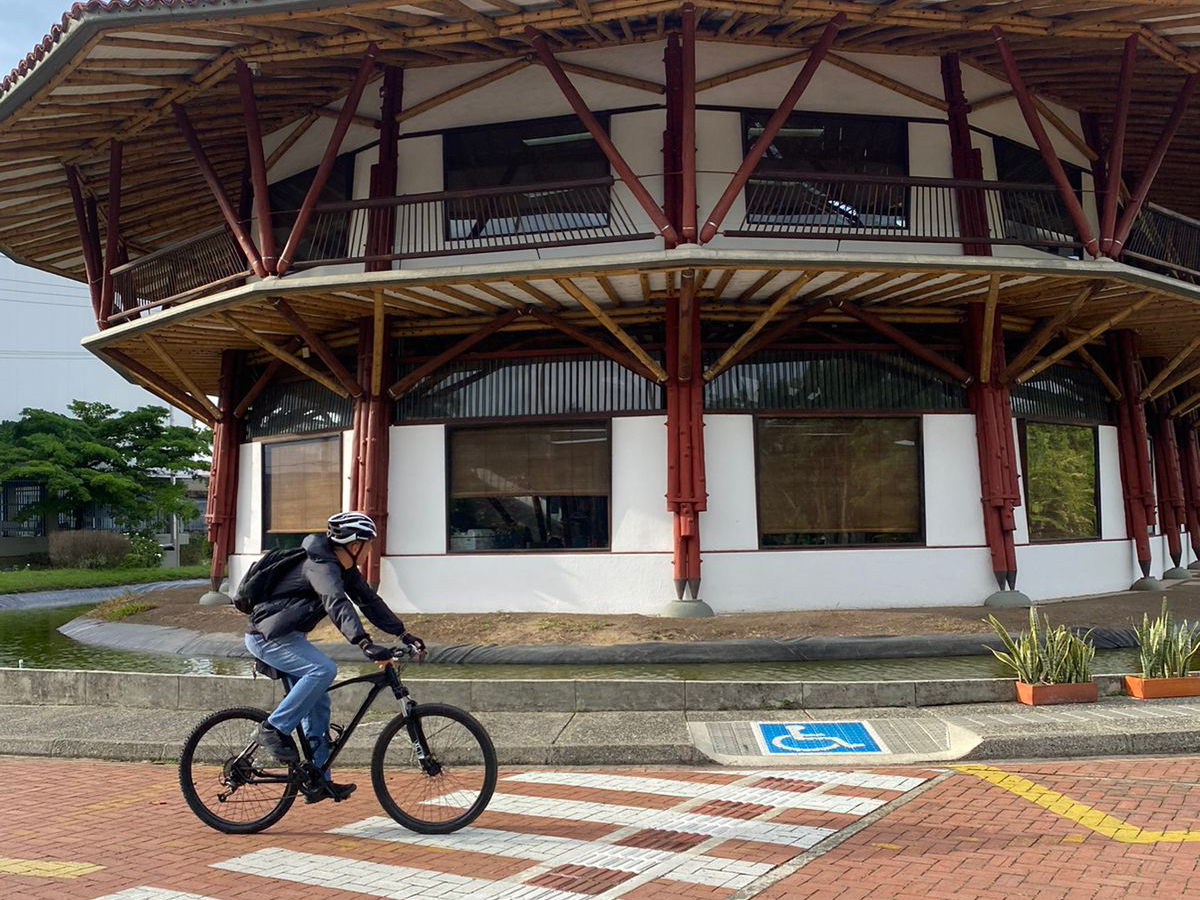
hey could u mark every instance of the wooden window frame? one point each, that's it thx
(265, 443)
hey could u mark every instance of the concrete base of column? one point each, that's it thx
(1178, 573)
(1194, 565)
(1008, 599)
(215, 598)
(686, 609)
(1147, 584)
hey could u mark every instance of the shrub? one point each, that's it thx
(88, 549)
(1054, 656)
(1166, 646)
(122, 607)
(144, 552)
(195, 551)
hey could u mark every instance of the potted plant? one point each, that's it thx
(1167, 648)
(1053, 666)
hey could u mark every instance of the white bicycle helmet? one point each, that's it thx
(348, 527)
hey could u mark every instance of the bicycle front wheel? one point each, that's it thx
(451, 786)
(229, 782)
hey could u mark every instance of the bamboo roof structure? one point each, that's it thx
(112, 70)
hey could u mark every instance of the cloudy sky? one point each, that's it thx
(41, 362)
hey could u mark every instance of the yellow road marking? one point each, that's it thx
(882, 846)
(1077, 812)
(42, 869)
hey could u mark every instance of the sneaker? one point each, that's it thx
(277, 744)
(335, 792)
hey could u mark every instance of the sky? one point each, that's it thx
(44, 317)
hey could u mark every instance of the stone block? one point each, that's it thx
(966, 690)
(540, 695)
(862, 694)
(42, 687)
(602, 695)
(131, 689)
(213, 692)
(759, 695)
(431, 690)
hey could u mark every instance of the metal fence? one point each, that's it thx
(182, 271)
(931, 210)
(1166, 242)
(448, 223)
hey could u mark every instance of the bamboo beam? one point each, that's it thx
(349, 107)
(258, 166)
(1164, 373)
(278, 352)
(377, 338)
(1134, 207)
(734, 188)
(953, 369)
(764, 318)
(264, 379)
(91, 263)
(989, 325)
(616, 330)
(465, 88)
(318, 346)
(288, 142)
(629, 81)
(217, 188)
(1030, 112)
(632, 183)
(158, 386)
(747, 71)
(1090, 362)
(409, 381)
(885, 81)
(1175, 382)
(627, 360)
(1049, 329)
(1090, 335)
(804, 313)
(177, 370)
(1116, 160)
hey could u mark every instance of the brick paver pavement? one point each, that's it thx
(76, 830)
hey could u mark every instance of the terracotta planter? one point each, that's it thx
(1159, 688)
(1046, 694)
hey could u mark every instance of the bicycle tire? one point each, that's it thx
(482, 755)
(187, 781)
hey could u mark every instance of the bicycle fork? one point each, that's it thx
(416, 734)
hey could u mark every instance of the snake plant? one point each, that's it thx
(1166, 646)
(1045, 655)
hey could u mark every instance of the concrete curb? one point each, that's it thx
(186, 642)
(80, 596)
(60, 687)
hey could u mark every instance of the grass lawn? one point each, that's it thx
(56, 579)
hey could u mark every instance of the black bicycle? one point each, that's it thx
(433, 767)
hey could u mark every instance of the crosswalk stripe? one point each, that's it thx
(382, 880)
(850, 779)
(735, 793)
(698, 869)
(696, 823)
(151, 893)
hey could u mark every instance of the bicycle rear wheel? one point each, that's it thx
(229, 782)
(449, 788)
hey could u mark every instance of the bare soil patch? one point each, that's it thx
(179, 607)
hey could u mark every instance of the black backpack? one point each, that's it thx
(263, 575)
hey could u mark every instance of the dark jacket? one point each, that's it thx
(317, 587)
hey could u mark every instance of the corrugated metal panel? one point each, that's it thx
(832, 379)
(1065, 393)
(531, 386)
(297, 408)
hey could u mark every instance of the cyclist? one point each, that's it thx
(325, 582)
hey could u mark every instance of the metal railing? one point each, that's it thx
(922, 210)
(180, 272)
(1164, 241)
(448, 223)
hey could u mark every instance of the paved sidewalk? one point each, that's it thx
(1114, 726)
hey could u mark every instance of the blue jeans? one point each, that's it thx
(310, 672)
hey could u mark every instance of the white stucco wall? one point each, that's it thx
(248, 529)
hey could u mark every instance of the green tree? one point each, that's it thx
(122, 460)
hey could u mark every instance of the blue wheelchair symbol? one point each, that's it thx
(818, 737)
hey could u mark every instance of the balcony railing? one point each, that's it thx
(1165, 241)
(449, 223)
(183, 271)
(918, 210)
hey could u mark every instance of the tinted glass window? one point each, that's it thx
(1060, 481)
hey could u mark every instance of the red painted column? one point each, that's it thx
(672, 148)
(966, 163)
(687, 126)
(113, 234)
(999, 489)
(221, 515)
(381, 220)
(370, 443)
(1136, 480)
(1170, 479)
(1191, 486)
